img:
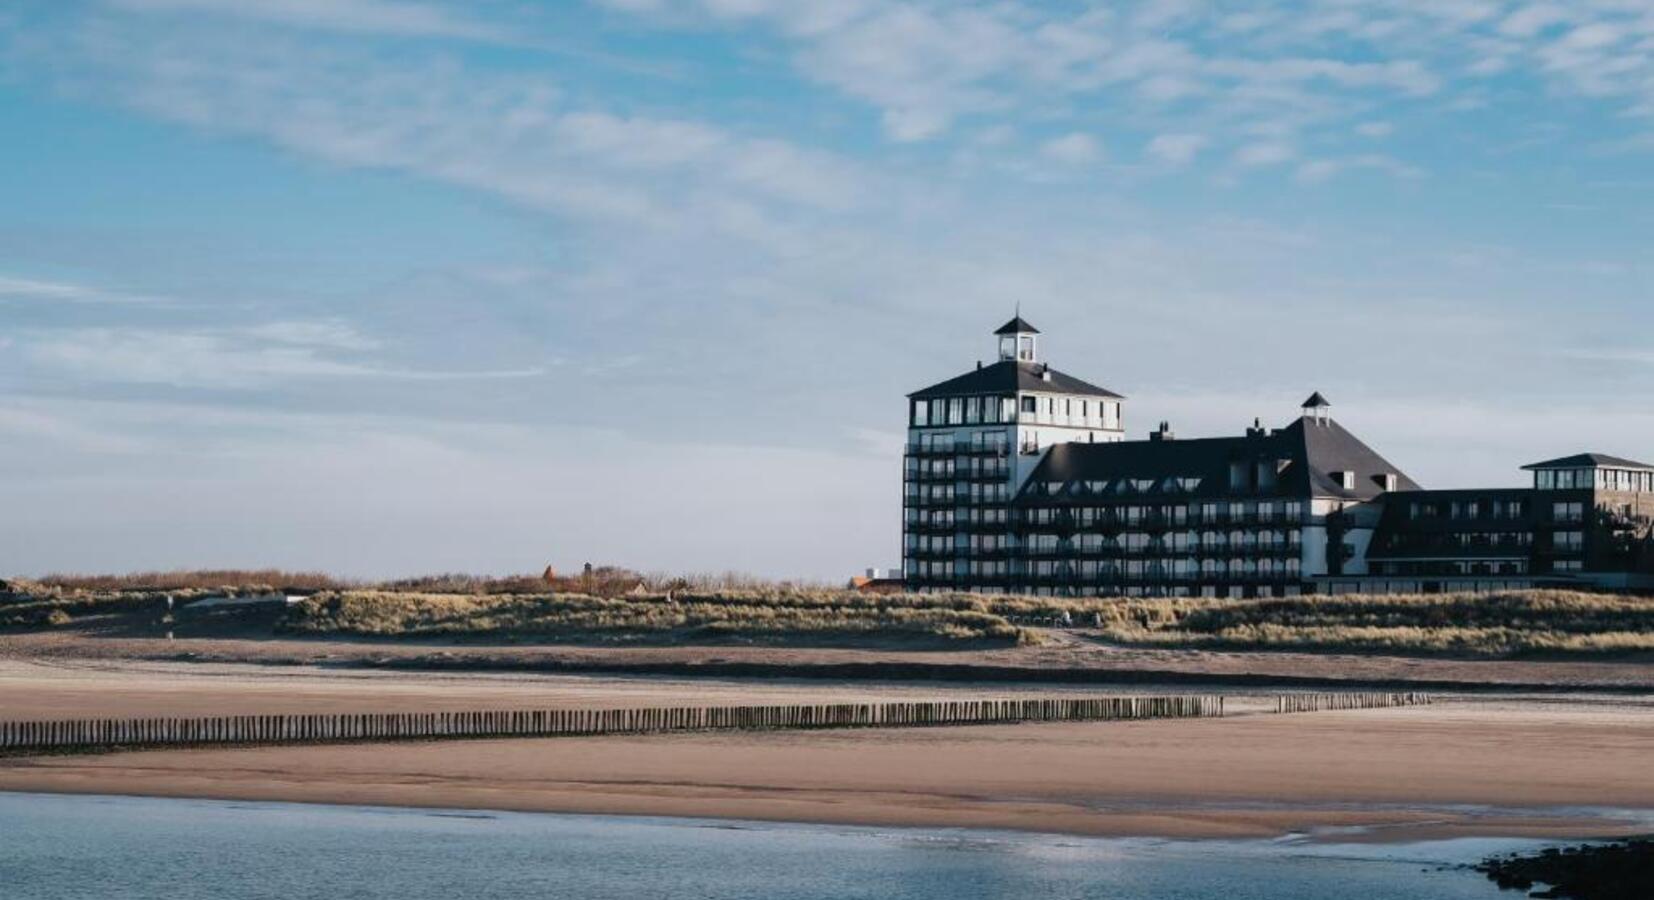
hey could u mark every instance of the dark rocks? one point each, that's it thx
(1622, 870)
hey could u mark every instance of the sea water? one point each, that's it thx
(83, 847)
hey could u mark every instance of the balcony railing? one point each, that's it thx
(959, 448)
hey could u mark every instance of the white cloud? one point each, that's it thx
(63, 292)
(1375, 129)
(1176, 149)
(382, 17)
(1074, 149)
(222, 358)
(1265, 153)
(505, 134)
(924, 65)
(1319, 170)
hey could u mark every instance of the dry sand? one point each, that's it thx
(1466, 766)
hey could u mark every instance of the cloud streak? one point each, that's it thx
(371, 17)
(237, 358)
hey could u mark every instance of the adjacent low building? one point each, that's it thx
(1018, 479)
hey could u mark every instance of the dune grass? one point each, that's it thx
(1500, 624)
(805, 618)
(718, 609)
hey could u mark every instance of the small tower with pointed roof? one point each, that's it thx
(1018, 340)
(1316, 408)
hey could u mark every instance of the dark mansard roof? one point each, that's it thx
(1009, 376)
(1588, 461)
(1307, 452)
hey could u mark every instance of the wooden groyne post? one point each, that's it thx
(1292, 703)
(95, 734)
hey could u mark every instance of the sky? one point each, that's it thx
(381, 287)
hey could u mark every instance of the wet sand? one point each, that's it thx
(1482, 766)
(1470, 765)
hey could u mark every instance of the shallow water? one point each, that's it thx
(59, 847)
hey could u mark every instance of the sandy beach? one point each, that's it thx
(1486, 765)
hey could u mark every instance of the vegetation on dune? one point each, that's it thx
(801, 617)
(197, 580)
(1493, 624)
(1459, 624)
(610, 605)
(603, 581)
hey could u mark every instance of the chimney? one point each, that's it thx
(979, 365)
(1045, 373)
(1163, 433)
(1257, 430)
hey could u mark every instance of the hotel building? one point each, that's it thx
(1017, 478)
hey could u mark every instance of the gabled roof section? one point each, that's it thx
(1316, 401)
(1009, 376)
(1306, 454)
(1017, 325)
(1588, 461)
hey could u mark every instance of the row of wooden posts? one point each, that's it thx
(1290, 703)
(92, 734)
(318, 728)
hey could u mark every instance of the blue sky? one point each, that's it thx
(384, 287)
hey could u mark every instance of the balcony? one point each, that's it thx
(931, 527)
(960, 448)
(991, 474)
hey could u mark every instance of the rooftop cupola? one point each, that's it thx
(1018, 340)
(1316, 407)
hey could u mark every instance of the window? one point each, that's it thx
(973, 410)
(1025, 351)
(1030, 405)
(921, 413)
(1569, 541)
(1568, 512)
